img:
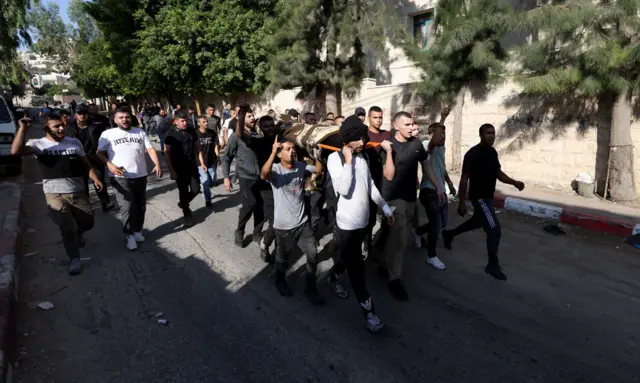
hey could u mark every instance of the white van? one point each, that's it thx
(11, 165)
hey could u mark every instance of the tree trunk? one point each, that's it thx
(333, 101)
(621, 174)
(456, 135)
(320, 102)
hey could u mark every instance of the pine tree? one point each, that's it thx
(321, 45)
(467, 51)
(589, 49)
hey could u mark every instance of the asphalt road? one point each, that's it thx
(569, 312)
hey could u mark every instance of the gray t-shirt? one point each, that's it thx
(60, 164)
(436, 159)
(288, 194)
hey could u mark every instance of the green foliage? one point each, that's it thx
(203, 47)
(582, 48)
(13, 32)
(467, 47)
(52, 35)
(323, 42)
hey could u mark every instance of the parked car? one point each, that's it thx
(11, 165)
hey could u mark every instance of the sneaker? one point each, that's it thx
(209, 205)
(313, 296)
(447, 238)
(495, 271)
(436, 262)
(75, 268)
(266, 256)
(416, 239)
(138, 237)
(238, 238)
(107, 207)
(82, 242)
(283, 287)
(188, 221)
(131, 243)
(337, 288)
(396, 288)
(374, 324)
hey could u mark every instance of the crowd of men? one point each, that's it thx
(373, 175)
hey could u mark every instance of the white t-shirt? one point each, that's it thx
(127, 149)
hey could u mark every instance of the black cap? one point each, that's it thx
(360, 110)
(293, 113)
(352, 129)
(82, 108)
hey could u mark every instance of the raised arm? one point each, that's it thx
(266, 171)
(18, 147)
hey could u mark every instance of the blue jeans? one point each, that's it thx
(208, 180)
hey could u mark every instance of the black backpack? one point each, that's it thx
(331, 196)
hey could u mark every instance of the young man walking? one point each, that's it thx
(210, 148)
(399, 190)
(352, 184)
(482, 167)
(213, 121)
(290, 222)
(88, 133)
(183, 154)
(123, 150)
(244, 145)
(63, 164)
(437, 213)
(375, 134)
(268, 127)
(160, 123)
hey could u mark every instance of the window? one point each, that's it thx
(422, 29)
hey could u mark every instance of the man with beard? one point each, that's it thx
(352, 184)
(482, 167)
(399, 190)
(268, 127)
(210, 148)
(89, 134)
(243, 145)
(63, 165)
(290, 220)
(123, 150)
(97, 119)
(182, 151)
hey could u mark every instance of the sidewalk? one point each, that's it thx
(567, 207)
(10, 246)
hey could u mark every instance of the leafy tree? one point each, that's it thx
(321, 45)
(13, 32)
(467, 53)
(590, 50)
(203, 47)
(52, 35)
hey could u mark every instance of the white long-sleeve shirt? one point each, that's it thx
(354, 186)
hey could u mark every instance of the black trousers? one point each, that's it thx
(267, 199)
(484, 216)
(314, 202)
(302, 236)
(373, 217)
(100, 172)
(188, 187)
(252, 204)
(348, 256)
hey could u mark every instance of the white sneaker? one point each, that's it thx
(131, 243)
(436, 262)
(416, 239)
(139, 237)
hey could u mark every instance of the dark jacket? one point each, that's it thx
(90, 143)
(248, 156)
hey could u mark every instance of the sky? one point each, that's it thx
(64, 5)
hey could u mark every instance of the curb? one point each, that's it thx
(602, 224)
(10, 248)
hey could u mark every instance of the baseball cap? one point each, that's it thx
(293, 113)
(360, 110)
(82, 109)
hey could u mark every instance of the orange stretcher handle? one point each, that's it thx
(333, 148)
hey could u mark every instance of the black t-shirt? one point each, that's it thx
(182, 143)
(208, 141)
(482, 164)
(375, 166)
(406, 156)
